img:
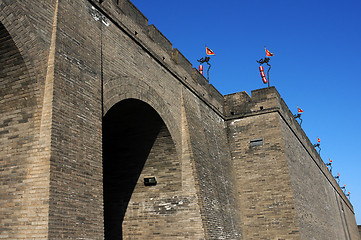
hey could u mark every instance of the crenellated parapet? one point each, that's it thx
(95, 102)
(128, 18)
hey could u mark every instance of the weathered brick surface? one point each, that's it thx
(323, 209)
(214, 170)
(24, 164)
(167, 210)
(294, 170)
(265, 196)
(69, 151)
(75, 207)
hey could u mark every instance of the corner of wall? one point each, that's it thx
(241, 104)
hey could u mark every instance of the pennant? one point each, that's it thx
(268, 53)
(299, 110)
(318, 140)
(330, 160)
(209, 52)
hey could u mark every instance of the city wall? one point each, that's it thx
(278, 166)
(76, 77)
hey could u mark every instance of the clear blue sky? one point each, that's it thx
(316, 63)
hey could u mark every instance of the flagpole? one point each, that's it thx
(208, 71)
(268, 74)
(206, 60)
(268, 54)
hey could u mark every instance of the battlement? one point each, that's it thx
(129, 9)
(131, 20)
(92, 111)
(237, 105)
(266, 100)
(241, 104)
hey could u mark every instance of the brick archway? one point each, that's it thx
(136, 145)
(118, 89)
(19, 98)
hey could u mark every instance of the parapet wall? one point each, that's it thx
(60, 85)
(130, 20)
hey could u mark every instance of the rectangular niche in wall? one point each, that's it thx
(256, 142)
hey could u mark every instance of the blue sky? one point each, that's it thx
(316, 63)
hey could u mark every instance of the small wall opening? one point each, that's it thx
(136, 145)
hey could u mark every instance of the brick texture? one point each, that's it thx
(280, 173)
(93, 100)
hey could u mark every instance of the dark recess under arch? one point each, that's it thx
(130, 129)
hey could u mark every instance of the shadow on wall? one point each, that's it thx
(131, 131)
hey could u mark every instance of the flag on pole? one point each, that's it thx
(268, 53)
(209, 51)
(299, 110)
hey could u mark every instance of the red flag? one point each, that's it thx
(338, 174)
(299, 110)
(318, 140)
(209, 52)
(268, 53)
(330, 160)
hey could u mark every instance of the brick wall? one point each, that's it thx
(225, 165)
(75, 207)
(135, 149)
(272, 153)
(24, 156)
(215, 175)
(263, 184)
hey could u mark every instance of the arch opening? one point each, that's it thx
(17, 88)
(17, 138)
(12, 65)
(17, 100)
(136, 145)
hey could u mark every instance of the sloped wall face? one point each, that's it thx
(262, 178)
(76, 180)
(322, 212)
(24, 179)
(215, 176)
(282, 179)
(26, 29)
(98, 64)
(91, 55)
(17, 109)
(130, 71)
